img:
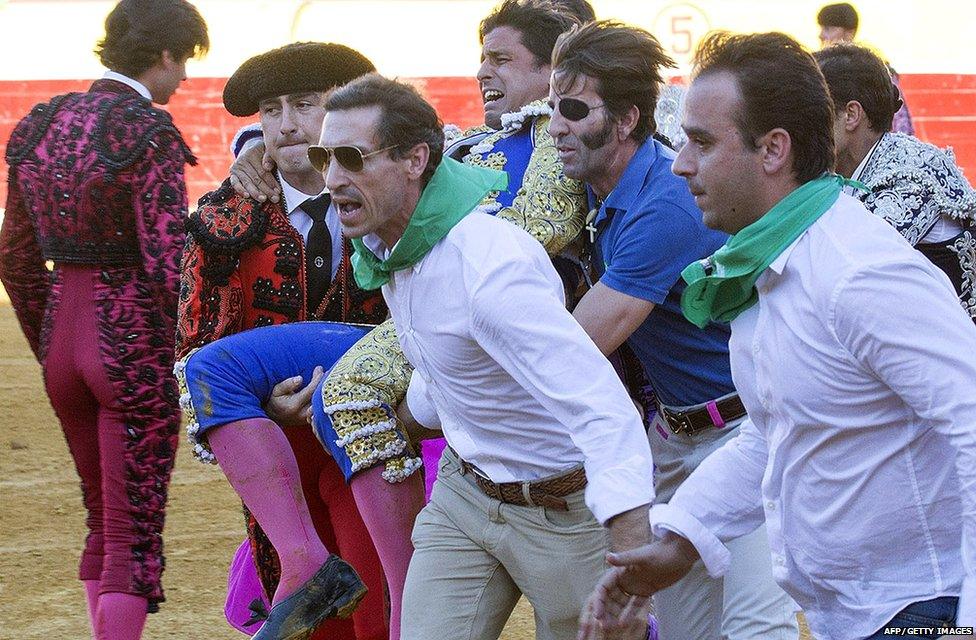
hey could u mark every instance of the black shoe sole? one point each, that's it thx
(341, 611)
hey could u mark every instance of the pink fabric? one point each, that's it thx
(121, 433)
(714, 414)
(91, 598)
(120, 617)
(430, 453)
(389, 511)
(243, 588)
(340, 526)
(258, 462)
(391, 536)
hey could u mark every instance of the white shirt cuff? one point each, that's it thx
(714, 554)
(626, 485)
(420, 405)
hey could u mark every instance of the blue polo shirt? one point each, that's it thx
(648, 230)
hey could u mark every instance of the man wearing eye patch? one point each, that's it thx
(915, 186)
(645, 229)
(249, 264)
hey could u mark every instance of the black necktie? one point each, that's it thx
(318, 251)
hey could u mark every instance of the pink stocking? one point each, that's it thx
(259, 463)
(120, 616)
(91, 597)
(389, 511)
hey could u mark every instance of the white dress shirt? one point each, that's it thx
(517, 386)
(858, 369)
(303, 223)
(126, 80)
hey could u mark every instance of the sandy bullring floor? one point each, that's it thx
(41, 525)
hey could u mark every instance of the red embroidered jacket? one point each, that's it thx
(244, 267)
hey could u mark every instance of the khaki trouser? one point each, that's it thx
(744, 604)
(475, 556)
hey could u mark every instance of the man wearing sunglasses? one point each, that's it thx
(646, 229)
(522, 395)
(248, 264)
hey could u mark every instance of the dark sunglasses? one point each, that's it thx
(575, 109)
(350, 158)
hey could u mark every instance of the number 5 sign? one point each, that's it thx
(679, 27)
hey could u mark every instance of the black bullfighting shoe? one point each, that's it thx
(333, 592)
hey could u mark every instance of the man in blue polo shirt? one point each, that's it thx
(645, 229)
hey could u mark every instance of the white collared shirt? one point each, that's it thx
(517, 386)
(303, 223)
(126, 80)
(849, 190)
(858, 369)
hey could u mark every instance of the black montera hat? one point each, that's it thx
(302, 66)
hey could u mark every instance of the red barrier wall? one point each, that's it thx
(943, 107)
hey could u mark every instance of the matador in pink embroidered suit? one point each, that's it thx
(96, 187)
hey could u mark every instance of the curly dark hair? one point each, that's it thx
(781, 87)
(856, 73)
(540, 22)
(626, 63)
(406, 119)
(138, 31)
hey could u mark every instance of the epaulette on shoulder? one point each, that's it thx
(227, 223)
(473, 131)
(459, 144)
(127, 124)
(32, 128)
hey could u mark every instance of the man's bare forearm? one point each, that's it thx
(630, 529)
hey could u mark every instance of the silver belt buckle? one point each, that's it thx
(684, 424)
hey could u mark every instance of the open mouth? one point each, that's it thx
(491, 95)
(347, 208)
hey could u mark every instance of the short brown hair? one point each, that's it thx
(138, 31)
(856, 73)
(781, 87)
(406, 119)
(841, 14)
(624, 61)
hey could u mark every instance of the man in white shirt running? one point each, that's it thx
(852, 356)
(545, 444)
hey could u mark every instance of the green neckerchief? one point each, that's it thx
(453, 192)
(722, 286)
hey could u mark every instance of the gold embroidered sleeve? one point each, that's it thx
(361, 394)
(549, 205)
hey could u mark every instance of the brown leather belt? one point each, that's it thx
(714, 414)
(548, 492)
